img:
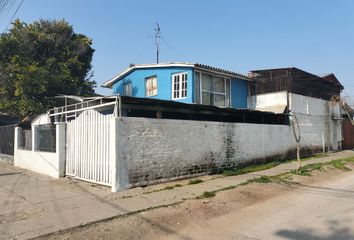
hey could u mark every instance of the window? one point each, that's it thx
(128, 90)
(179, 86)
(212, 90)
(151, 86)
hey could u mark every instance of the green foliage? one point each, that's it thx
(341, 165)
(39, 61)
(207, 195)
(250, 169)
(195, 181)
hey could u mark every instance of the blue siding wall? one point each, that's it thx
(239, 93)
(164, 83)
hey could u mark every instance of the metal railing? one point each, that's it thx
(7, 136)
(25, 140)
(45, 136)
(71, 111)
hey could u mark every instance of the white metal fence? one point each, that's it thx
(87, 147)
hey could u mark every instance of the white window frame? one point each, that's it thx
(213, 92)
(181, 89)
(150, 93)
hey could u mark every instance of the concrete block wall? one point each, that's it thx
(155, 150)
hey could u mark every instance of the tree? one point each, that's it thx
(39, 61)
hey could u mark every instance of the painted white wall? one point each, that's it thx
(319, 120)
(41, 119)
(154, 150)
(47, 163)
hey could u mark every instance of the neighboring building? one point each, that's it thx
(183, 82)
(295, 80)
(313, 102)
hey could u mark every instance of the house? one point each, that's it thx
(183, 82)
(313, 102)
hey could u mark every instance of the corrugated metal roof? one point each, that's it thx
(199, 66)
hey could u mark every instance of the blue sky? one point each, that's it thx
(316, 36)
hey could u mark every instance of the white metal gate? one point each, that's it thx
(87, 147)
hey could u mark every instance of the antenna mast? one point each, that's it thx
(157, 41)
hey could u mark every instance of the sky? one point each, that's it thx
(314, 35)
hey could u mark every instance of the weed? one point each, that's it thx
(169, 188)
(340, 165)
(250, 169)
(207, 195)
(195, 181)
(263, 179)
(126, 197)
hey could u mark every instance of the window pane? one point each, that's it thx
(197, 87)
(128, 89)
(184, 85)
(219, 100)
(147, 87)
(219, 84)
(207, 98)
(207, 82)
(227, 99)
(151, 86)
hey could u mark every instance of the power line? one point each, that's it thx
(170, 46)
(3, 5)
(13, 15)
(7, 10)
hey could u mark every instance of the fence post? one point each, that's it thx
(113, 153)
(17, 139)
(34, 137)
(60, 150)
(119, 169)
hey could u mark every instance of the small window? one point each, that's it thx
(128, 89)
(179, 85)
(151, 86)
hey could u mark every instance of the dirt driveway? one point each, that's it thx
(317, 207)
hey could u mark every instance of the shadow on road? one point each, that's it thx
(336, 231)
(11, 173)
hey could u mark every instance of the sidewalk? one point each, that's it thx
(32, 205)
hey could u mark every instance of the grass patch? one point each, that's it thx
(165, 188)
(207, 194)
(124, 197)
(340, 165)
(261, 167)
(195, 181)
(250, 169)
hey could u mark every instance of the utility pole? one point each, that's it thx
(157, 42)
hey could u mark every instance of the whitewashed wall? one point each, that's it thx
(154, 150)
(318, 119)
(47, 163)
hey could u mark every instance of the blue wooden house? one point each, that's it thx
(183, 82)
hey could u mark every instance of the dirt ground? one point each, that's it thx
(186, 219)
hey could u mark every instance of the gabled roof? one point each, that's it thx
(197, 66)
(332, 78)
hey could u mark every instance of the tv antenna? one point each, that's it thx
(157, 41)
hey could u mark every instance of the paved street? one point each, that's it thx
(32, 205)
